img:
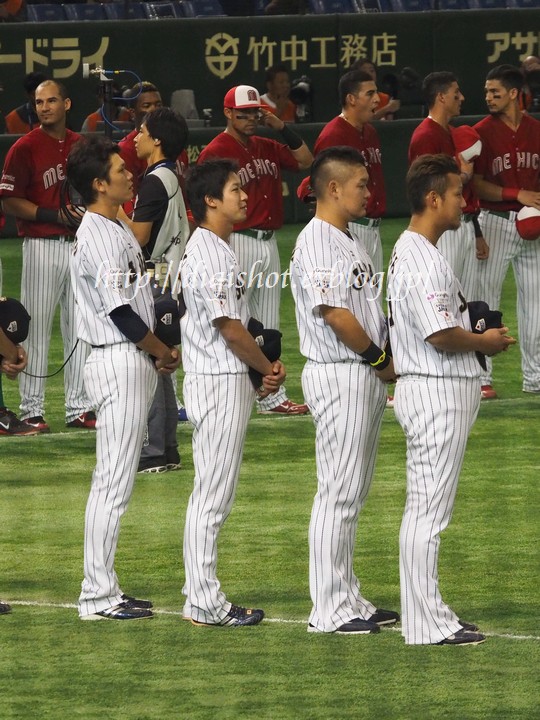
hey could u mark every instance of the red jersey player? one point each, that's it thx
(260, 161)
(359, 100)
(507, 177)
(30, 189)
(464, 246)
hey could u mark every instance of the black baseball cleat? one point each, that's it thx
(469, 627)
(463, 637)
(38, 423)
(4, 608)
(384, 617)
(356, 626)
(120, 612)
(132, 602)
(236, 617)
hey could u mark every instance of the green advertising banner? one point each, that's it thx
(211, 55)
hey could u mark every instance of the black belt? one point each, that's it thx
(500, 213)
(256, 234)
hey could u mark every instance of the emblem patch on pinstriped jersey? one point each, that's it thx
(321, 279)
(441, 303)
(218, 287)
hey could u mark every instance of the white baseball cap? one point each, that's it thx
(242, 96)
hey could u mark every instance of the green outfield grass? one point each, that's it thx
(55, 667)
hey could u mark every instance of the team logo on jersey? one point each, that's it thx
(321, 279)
(441, 303)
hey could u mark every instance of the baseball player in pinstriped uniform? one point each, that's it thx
(437, 393)
(342, 332)
(507, 176)
(359, 100)
(460, 247)
(254, 241)
(30, 190)
(12, 361)
(160, 225)
(115, 315)
(217, 350)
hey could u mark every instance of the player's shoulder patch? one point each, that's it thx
(440, 301)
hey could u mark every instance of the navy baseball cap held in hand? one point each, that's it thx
(270, 343)
(14, 320)
(482, 319)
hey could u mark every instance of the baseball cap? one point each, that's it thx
(242, 96)
(14, 320)
(528, 223)
(467, 142)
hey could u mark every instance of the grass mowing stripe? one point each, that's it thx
(277, 621)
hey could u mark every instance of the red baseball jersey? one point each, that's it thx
(430, 138)
(34, 169)
(260, 164)
(509, 158)
(339, 132)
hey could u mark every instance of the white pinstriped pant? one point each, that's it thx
(459, 249)
(347, 401)
(219, 407)
(45, 283)
(260, 260)
(505, 247)
(121, 383)
(436, 415)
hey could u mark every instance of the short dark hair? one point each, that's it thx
(62, 89)
(170, 128)
(435, 83)
(360, 63)
(350, 83)
(324, 165)
(207, 179)
(428, 173)
(32, 80)
(509, 76)
(274, 70)
(90, 158)
(133, 93)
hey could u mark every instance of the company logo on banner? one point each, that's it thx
(221, 54)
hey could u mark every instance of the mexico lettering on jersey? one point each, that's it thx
(430, 138)
(212, 288)
(259, 167)
(329, 268)
(509, 158)
(424, 297)
(34, 169)
(108, 271)
(339, 132)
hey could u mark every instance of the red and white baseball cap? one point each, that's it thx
(528, 223)
(467, 142)
(242, 96)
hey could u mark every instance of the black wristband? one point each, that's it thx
(47, 215)
(376, 357)
(477, 229)
(293, 140)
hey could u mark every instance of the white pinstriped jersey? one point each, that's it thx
(107, 271)
(424, 297)
(329, 268)
(209, 275)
